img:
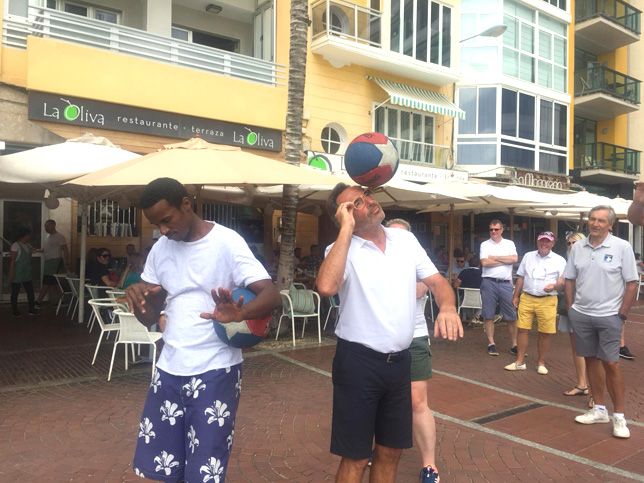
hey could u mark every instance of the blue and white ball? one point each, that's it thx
(371, 159)
(246, 333)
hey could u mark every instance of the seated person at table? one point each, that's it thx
(132, 273)
(470, 278)
(313, 261)
(98, 273)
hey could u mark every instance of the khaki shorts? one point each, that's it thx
(543, 308)
(421, 359)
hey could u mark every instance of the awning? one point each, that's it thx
(417, 98)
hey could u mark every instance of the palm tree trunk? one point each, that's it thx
(293, 137)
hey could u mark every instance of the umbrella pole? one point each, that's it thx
(83, 260)
(450, 242)
(199, 201)
(511, 223)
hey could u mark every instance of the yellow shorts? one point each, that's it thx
(543, 308)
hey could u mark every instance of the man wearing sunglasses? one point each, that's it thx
(374, 270)
(497, 257)
(539, 278)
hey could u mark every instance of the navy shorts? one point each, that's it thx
(186, 431)
(371, 396)
(493, 293)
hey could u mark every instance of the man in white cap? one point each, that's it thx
(539, 278)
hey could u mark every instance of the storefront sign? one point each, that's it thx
(541, 180)
(116, 117)
(429, 174)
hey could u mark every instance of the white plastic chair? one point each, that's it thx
(115, 293)
(74, 285)
(639, 286)
(333, 305)
(97, 304)
(134, 332)
(292, 314)
(469, 298)
(65, 289)
(93, 292)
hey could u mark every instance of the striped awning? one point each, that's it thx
(417, 98)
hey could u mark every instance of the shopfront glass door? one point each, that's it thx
(13, 215)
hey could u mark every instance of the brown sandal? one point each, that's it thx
(577, 391)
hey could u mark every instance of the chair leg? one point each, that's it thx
(109, 374)
(126, 357)
(60, 301)
(100, 336)
(327, 318)
(304, 326)
(319, 329)
(154, 358)
(279, 324)
(293, 329)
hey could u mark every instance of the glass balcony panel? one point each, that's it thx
(616, 11)
(422, 153)
(608, 81)
(606, 156)
(348, 20)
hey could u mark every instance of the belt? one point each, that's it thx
(387, 357)
(540, 296)
(497, 280)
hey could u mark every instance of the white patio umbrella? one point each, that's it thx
(28, 173)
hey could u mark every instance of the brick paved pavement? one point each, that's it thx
(60, 420)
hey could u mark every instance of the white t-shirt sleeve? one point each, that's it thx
(512, 248)
(521, 270)
(424, 266)
(247, 268)
(571, 271)
(629, 266)
(149, 271)
(484, 251)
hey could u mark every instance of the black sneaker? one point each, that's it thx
(625, 353)
(491, 350)
(16, 313)
(429, 475)
(37, 306)
(33, 312)
(514, 350)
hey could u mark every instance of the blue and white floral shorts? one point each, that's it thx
(187, 427)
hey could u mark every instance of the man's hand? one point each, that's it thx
(549, 288)
(448, 325)
(636, 210)
(226, 310)
(140, 294)
(515, 301)
(344, 215)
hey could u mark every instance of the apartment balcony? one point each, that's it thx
(422, 154)
(353, 36)
(58, 25)
(603, 93)
(603, 26)
(606, 163)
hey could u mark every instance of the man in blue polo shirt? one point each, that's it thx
(601, 283)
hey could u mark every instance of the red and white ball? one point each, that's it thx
(371, 159)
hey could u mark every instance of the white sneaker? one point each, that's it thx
(593, 416)
(619, 428)
(543, 370)
(516, 367)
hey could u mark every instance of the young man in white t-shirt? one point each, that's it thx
(55, 251)
(186, 430)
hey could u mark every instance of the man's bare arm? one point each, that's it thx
(448, 323)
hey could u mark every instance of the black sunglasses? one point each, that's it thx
(460, 261)
(496, 229)
(105, 255)
(570, 243)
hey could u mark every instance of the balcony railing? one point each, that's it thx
(348, 21)
(423, 154)
(54, 24)
(607, 81)
(606, 156)
(616, 11)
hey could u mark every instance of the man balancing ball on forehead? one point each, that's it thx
(374, 270)
(186, 431)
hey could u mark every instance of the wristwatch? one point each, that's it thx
(622, 316)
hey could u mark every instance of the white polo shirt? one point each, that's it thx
(378, 291)
(537, 272)
(504, 248)
(600, 274)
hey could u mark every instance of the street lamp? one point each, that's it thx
(494, 31)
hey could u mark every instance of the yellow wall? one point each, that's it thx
(74, 70)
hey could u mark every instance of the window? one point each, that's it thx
(422, 29)
(339, 20)
(208, 39)
(553, 122)
(106, 218)
(534, 47)
(98, 13)
(479, 105)
(410, 131)
(19, 8)
(557, 3)
(517, 114)
(334, 138)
